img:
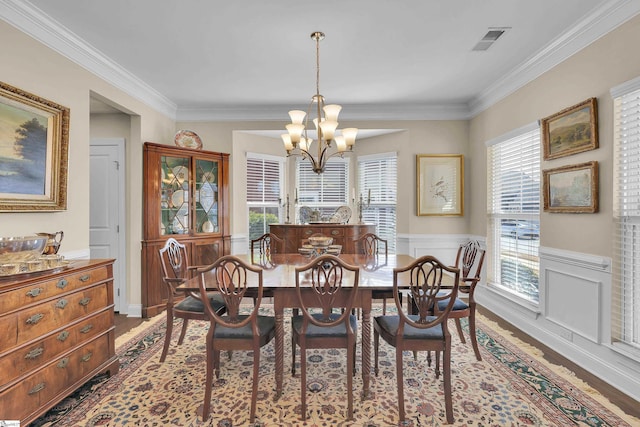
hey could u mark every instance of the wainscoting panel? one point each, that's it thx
(573, 302)
(574, 315)
(442, 246)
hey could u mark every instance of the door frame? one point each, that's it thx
(121, 280)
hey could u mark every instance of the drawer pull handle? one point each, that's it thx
(307, 232)
(39, 387)
(335, 232)
(62, 336)
(34, 353)
(85, 277)
(85, 301)
(87, 357)
(86, 329)
(62, 303)
(63, 362)
(62, 283)
(35, 319)
(34, 292)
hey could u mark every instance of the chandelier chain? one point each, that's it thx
(318, 66)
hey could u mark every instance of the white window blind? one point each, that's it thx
(513, 164)
(326, 191)
(264, 183)
(626, 277)
(379, 174)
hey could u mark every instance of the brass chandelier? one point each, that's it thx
(297, 141)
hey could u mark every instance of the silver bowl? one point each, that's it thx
(21, 249)
(320, 241)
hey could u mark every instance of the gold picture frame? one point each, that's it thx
(440, 184)
(572, 130)
(34, 144)
(571, 189)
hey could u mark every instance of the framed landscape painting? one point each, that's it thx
(572, 130)
(440, 184)
(34, 140)
(571, 189)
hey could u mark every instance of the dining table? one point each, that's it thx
(279, 281)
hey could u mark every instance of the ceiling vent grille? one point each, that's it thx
(493, 34)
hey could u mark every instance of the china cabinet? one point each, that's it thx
(186, 196)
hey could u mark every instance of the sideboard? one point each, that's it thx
(58, 332)
(343, 234)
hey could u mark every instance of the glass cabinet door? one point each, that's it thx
(206, 219)
(174, 195)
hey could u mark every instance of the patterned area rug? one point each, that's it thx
(512, 386)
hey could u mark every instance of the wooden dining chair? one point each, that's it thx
(372, 245)
(265, 245)
(238, 329)
(469, 260)
(332, 285)
(422, 331)
(175, 271)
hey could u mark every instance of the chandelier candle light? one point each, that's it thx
(297, 142)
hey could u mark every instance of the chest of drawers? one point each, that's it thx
(56, 332)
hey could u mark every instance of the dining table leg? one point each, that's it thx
(279, 345)
(366, 343)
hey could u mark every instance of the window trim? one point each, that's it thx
(492, 217)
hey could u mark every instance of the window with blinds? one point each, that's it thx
(626, 272)
(379, 174)
(513, 237)
(264, 183)
(326, 191)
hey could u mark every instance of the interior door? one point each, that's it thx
(106, 222)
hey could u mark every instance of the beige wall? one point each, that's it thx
(30, 66)
(411, 138)
(590, 73)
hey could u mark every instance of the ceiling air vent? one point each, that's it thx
(490, 38)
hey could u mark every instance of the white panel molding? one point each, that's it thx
(52, 34)
(78, 254)
(598, 356)
(239, 244)
(134, 310)
(564, 284)
(580, 260)
(442, 246)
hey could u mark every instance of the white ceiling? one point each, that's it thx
(254, 59)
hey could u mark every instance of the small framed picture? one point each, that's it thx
(572, 130)
(571, 189)
(440, 184)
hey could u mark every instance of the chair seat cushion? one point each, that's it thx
(194, 305)
(390, 324)
(266, 325)
(321, 331)
(457, 305)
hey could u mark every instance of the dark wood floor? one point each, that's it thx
(624, 402)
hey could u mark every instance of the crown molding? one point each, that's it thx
(349, 112)
(599, 22)
(47, 31)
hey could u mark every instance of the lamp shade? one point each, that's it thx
(349, 136)
(331, 112)
(328, 128)
(341, 145)
(286, 138)
(297, 116)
